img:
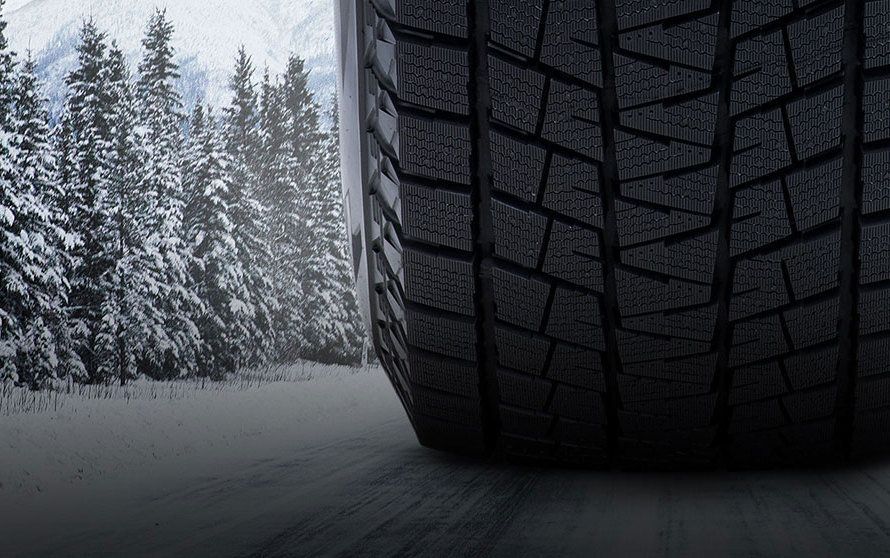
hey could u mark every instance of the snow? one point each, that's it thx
(100, 436)
(207, 36)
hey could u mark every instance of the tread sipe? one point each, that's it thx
(626, 232)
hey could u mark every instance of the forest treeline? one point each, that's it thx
(136, 239)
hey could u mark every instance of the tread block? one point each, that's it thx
(519, 300)
(755, 383)
(761, 72)
(816, 122)
(444, 374)
(816, 45)
(515, 24)
(638, 223)
(698, 370)
(572, 255)
(638, 294)
(572, 120)
(578, 367)
(517, 167)
(749, 15)
(437, 217)
(694, 120)
(811, 266)
(638, 347)
(874, 354)
(684, 413)
(756, 416)
(692, 43)
(523, 422)
(877, 33)
(639, 12)
(439, 282)
(876, 109)
(806, 370)
(814, 266)
(433, 77)
(435, 149)
(875, 253)
(516, 94)
(876, 181)
(813, 323)
(640, 82)
(759, 217)
(815, 193)
(522, 390)
(570, 40)
(811, 405)
(574, 433)
(872, 394)
(758, 286)
(692, 258)
(635, 389)
(573, 190)
(521, 350)
(446, 406)
(760, 147)
(698, 323)
(576, 317)
(442, 16)
(578, 404)
(874, 312)
(639, 157)
(442, 335)
(692, 192)
(518, 234)
(757, 340)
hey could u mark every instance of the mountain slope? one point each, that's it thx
(208, 33)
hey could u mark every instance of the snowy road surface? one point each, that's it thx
(367, 489)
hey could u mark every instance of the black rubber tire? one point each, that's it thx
(630, 232)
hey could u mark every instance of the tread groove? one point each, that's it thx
(611, 250)
(483, 227)
(723, 215)
(851, 228)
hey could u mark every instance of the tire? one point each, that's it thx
(625, 232)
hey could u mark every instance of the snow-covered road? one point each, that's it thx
(368, 489)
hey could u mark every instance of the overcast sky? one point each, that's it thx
(14, 4)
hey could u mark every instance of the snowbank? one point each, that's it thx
(181, 429)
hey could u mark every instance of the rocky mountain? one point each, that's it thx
(208, 34)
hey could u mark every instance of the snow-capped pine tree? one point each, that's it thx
(226, 323)
(290, 142)
(173, 345)
(333, 326)
(10, 324)
(33, 239)
(45, 350)
(248, 215)
(130, 316)
(84, 172)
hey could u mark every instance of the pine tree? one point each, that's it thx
(330, 313)
(171, 349)
(247, 213)
(130, 315)
(33, 289)
(291, 141)
(10, 200)
(85, 147)
(226, 321)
